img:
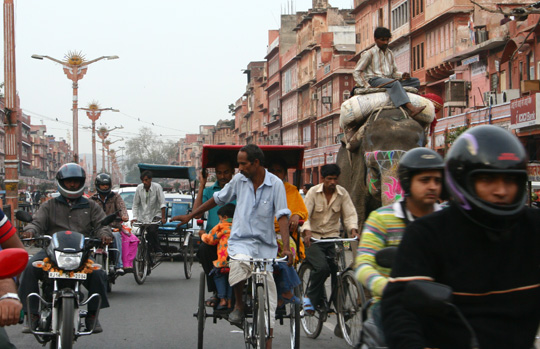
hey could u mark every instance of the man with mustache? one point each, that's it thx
(208, 253)
(420, 174)
(326, 203)
(260, 196)
(378, 66)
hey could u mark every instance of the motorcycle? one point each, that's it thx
(102, 255)
(66, 267)
(421, 297)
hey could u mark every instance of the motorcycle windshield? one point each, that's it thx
(68, 241)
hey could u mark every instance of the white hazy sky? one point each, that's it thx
(180, 61)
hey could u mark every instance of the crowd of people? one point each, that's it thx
(462, 222)
(482, 242)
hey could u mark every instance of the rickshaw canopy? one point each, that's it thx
(292, 154)
(170, 171)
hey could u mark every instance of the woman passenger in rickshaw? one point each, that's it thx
(287, 278)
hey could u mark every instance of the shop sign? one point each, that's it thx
(315, 162)
(308, 163)
(524, 111)
(473, 59)
(533, 170)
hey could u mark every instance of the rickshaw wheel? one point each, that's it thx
(201, 312)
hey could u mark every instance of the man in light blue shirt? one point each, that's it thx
(260, 196)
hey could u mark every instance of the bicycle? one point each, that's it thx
(143, 263)
(347, 296)
(256, 324)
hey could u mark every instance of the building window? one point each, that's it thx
(400, 15)
(418, 57)
(417, 7)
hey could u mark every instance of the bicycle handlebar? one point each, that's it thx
(138, 224)
(264, 260)
(334, 240)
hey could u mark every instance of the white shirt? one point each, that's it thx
(148, 204)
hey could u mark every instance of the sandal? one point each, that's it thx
(292, 300)
(212, 301)
(308, 307)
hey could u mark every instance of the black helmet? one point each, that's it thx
(486, 149)
(414, 161)
(70, 170)
(103, 179)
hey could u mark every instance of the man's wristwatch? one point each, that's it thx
(10, 295)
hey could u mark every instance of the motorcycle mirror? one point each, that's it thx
(12, 262)
(23, 216)
(427, 298)
(385, 257)
(108, 220)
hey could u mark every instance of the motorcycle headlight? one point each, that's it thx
(68, 261)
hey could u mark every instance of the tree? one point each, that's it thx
(231, 109)
(147, 147)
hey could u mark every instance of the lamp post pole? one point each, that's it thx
(103, 133)
(75, 68)
(94, 112)
(11, 158)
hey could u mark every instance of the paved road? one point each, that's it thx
(159, 314)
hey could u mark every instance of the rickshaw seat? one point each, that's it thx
(177, 208)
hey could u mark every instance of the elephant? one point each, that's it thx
(369, 157)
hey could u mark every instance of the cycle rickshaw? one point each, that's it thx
(176, 241)
(256, 321)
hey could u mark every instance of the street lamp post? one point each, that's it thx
(94, 112)
(75, 67)
(103, 133)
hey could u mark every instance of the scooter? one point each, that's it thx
(66, 267)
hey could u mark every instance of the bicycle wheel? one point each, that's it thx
(260, 322)
(140, 264)
(188, 256)
(350, 300)
(311, 323)
(201, 312)
(294, 314)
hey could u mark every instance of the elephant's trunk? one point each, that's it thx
(382, 175)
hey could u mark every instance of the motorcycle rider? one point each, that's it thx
(420, 173)
(10, 304)
(485, 246)
(69, 211)
(112, 203)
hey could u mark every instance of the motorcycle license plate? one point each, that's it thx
(57, 275)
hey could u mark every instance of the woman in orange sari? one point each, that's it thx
(288, 278)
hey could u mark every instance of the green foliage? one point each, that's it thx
(231, 109)
(453, 135)
(147, 147)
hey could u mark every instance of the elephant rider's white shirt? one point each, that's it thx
(323, 216)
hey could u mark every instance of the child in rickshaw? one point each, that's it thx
(219, 235)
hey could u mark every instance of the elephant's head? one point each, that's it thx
(386, 138)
